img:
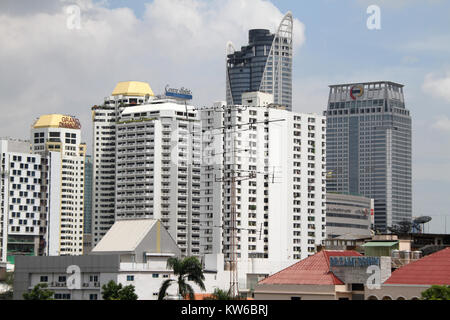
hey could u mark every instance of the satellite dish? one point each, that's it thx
(393, 229)
(405, 223)
(423, 219)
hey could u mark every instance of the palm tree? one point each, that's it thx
(220, 294)
(187, 269)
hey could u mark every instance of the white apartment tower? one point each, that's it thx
(20, 196)
(147, 163)
(280, 206)
(57, 138)
(158, 168)
(104, 118)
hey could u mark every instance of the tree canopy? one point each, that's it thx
(114, 291)
(187, 269)
(436, 293)
(39, 292)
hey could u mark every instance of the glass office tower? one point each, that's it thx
(369, 147)
(265, 65)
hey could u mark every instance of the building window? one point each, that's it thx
(130, 278)
(62, 279)
(44, 278)
(357, 287)
(93, 297)
(155, 275)
(62, 296)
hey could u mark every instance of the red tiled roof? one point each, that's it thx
(203, 296)
(431, 269)
(313, 270)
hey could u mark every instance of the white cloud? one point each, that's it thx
(442, 124)
(437, 85)
(439, 43)
(48, 68)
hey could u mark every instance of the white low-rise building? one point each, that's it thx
(133, 252)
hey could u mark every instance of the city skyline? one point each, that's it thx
(401, 52)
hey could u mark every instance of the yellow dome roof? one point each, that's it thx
(132, 88)
(57, 121)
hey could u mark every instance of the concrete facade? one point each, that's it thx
(396, 292)
(140, 261)
(348, 215)
(369, 147)
(57, 138)
(20, 200)
(280, 205)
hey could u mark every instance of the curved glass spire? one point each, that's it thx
(277, 77)
(265, 64)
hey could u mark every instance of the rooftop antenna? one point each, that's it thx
(233, 177)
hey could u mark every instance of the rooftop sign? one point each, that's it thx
(355, 262)
(182, 93)
(356, 91)
(70, 123)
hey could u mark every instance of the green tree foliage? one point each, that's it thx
(8, 295)
(9, 281)
(187, 269)
(39, 292)
(436, 293)
(114, 291)
(220, 294)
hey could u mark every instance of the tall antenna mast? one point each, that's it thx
(234, 176)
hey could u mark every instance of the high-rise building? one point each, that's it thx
(104, 118)
(278, 159)
(147, 163)
(20, 200)
(369, 147)
(265, 65)
(158, 168)
(57, 138)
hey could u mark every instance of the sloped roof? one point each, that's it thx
(380, 244)
(124, 235)
(132, 88)
(431, 269)
(55, 121)
(312, 270)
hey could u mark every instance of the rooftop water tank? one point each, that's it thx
(395, 254)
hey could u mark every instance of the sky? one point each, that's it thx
(48, 65)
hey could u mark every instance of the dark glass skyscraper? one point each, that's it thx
(369, 147)
(265, 64)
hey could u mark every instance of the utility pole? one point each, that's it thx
(233, 177)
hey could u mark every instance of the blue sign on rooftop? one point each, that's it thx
(346, 261)
(182, 93)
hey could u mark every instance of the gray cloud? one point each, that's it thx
(29, 7)
(49, 68)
